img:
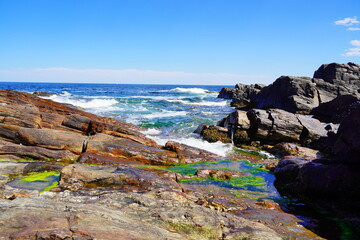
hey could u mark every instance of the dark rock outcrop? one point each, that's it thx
(335, 110)
(331, 184)
(341, 74)
(241, 95)
(267, 126)
(299, 94)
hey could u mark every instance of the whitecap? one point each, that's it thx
(96, 103)
(152, 132)
(200, 103)
(164, 114)
(185, 90)
(219, 148)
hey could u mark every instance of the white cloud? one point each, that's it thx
(355, 43)
(347, 21)
(127, 76)
(353, 52)
(353, 29)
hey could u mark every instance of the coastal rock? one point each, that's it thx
(242, 94)
(127, 149)
(299, 94)
(268, 126)
(188, 154)
(339, 73)
(218, 174)
(52, 139)
(330, 184)
(78, 176)
(336, 110)
(291, 149)
(117, 215)
(347, 144)
(292, 94)
(42, 94)
(39, 153)
(216, 133)
(16, 168)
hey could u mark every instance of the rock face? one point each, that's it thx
(335, 110)
(119, 215)
(241, 95)
(299, 94)
(328, 184)
(342, 74)
(268, 126)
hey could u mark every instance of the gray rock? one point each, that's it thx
(299, 94)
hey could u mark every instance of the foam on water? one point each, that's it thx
(184, 90)
(218, 148)
(165, 114)
(95, 103)
(152, 132)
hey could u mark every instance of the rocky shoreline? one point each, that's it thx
(69, 174)
(312, 125)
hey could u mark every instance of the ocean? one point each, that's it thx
(168, 112)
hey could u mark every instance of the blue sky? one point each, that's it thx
(218, 42)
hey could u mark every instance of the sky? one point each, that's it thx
(199, 42)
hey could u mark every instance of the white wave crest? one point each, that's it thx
(84, 103)
(164, 114)
(152, 132)
(186, 90)
(200, 103)
(219, 148)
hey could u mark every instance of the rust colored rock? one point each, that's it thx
(219, 174)
(51, 120)
(52, 139)
(189, 154)
(8, 132)
(38, 153)
(291, 149)
(130, 150)
(101, 159)
(77, 121)
(77, 176)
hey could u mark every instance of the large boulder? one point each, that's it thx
(268, 126)
(242, 94)
(336, 110)
(293, 94)
(342, 74)
(331, 184)
(347, 144)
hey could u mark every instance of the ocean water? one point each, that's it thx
(168, 112)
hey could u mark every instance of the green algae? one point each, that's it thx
(41, 181)
(151, 166)
(191, 168)
(184, 170)
(12, 160)
(194, 231)
(240, 182)
(42, 176)
(250, 153)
